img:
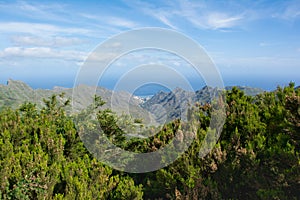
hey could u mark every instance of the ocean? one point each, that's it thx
(268, 84)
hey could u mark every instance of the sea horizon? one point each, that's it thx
(144, 91)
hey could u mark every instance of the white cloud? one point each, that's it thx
(36, 10)
(55, 41)
(216, 16)
(37, 7)
(40, 29)
(197, 13)
(164, 19)
(42, 52)
(101, 57)
(215, 20)
(59, 19)
(116, 21)
(221, 20)
(111, 20)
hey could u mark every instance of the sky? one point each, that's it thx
(251, 43)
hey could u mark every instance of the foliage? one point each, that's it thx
(42, 157)
(256, 157)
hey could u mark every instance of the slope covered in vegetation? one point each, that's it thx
(256, 157)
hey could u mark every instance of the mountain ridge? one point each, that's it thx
(15, 93)
(162, 107)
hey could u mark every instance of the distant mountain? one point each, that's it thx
(150, 89)
(172, 103)
(161, 107)
(250, 91)
(176, 102)
(16, 92)
(205, 95)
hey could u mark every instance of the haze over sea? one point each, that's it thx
(265, 83)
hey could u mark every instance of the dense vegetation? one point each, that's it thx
(256, 157)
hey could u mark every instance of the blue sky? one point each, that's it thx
(254, 43)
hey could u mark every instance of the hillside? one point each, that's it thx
(176, 102)
(161, 108)
(256, 157)
(16, 93)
